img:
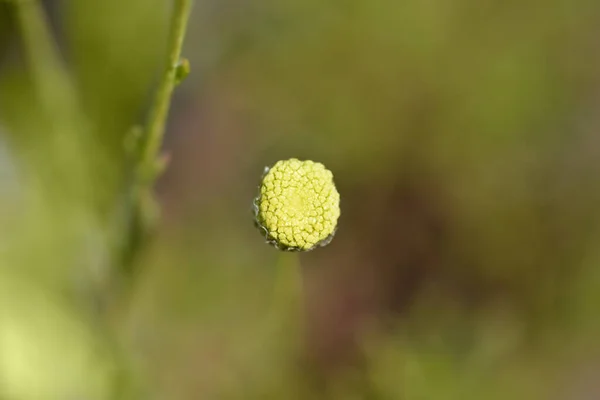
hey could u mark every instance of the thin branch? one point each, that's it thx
(160, 109)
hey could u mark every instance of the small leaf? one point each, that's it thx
(149, 210)
(161, 164)
(148, 173)
(182, 70)
(132, 139)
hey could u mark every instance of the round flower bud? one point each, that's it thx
(298, 206)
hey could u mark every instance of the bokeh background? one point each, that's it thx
(464, 138)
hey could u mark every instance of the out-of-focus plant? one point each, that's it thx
(80, 197)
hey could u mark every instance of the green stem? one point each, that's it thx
(288, 295)
(60, 123)
(52, 83)
(147, 163)
(160, 108)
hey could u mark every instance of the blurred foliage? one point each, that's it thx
(464, 139)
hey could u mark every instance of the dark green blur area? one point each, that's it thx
(464, 138)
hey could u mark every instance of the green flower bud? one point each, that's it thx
(298, 205)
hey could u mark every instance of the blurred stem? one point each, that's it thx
(160, 108)
(52, 84)
(288, 295)
(62, 124)
(146, 158)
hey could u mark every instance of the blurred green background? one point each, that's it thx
(464, 138)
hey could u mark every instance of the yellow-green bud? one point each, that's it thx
(298, 205)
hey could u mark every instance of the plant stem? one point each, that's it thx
(160, 107)
(61, 125)
(55, 95)
(288, 295)
(46, 67)
(142, 209)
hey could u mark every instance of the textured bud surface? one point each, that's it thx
(298, 205)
